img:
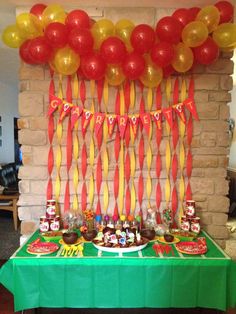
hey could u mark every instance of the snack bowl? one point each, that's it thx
(148, 233)
(70, 237)
(168, 237)
(89, 235)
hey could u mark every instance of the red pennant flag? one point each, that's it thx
(65, 110)
(55, 102)
(190, 105)
(111, 121)
(167, 112)
(86, 117)
(99, 119)
(179, 109)
(134, 121)
(146, 120)
(122, 123)
(157, 116)
(76, 112)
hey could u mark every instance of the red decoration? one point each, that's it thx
(86, 117)
(56, 34)
(146, 120)
(37, 10)
(81, 40)
(141, 152)
(207, 53)
(99, 175)
(100, 84)
(84, 197)
(174, 167)
(158, 165)
(93, 66)
(24, 52)
(169, 29)
(77, 19)
(116, 182)
(226, 10)
(122, 123)
(98, 120)
(55, 102)
(142, 38)
(158, 195)
(111, 121)
(179, 109)
(134, 122)
(167, 113)
(190, 105)
(127, 95)
(192, 13)
(133, 66)
(181, 15)
(82, 92)
(39, 50)
(113, 50)
(162, 54)
(76, 112)
(84, 160)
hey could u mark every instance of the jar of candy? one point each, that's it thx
(190, 208)
(44, 224)
(195, 225)
(55, 224)
(185, 224)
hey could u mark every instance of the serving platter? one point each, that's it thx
(120, 250)
(42, 248)
(190, 247)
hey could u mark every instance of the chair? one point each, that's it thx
(9, 198)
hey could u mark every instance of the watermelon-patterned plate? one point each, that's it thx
(42, 248)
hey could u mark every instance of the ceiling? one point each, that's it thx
(9, 61)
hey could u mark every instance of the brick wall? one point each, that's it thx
(210, 145)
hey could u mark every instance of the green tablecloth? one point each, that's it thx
(111, 281)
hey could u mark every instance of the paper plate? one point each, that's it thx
(162, 240)
(191, 248)
(120, 250)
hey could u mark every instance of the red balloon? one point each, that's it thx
(169, 29)
(39, 50)
(24, 52)
(192, 13)
(207, 53)
(93, 66)
(38, 9)
(80, 73)
(162, 54)
(182, 15)
(113, 50)
(77, 19)
(56, 34)
(142, 38)
(168, 71)
(133, 65)
(226, 10)
(81, 40)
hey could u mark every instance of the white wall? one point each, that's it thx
(232, 156)
(8, 110)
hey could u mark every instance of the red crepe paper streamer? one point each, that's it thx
(140, 190)
(127, 135)
(189, 163)
(141, 152)
(84, 197)
(117, 101)
(127, 201)
(99, 183)
(158, 165)
(158, 98)
(82, 92)
(117, 145)
(127, 167)
(116, 182)
(127, 95)
(51, 92)
(100, 84)
(84, 160)
(174, 167)
(189, 130)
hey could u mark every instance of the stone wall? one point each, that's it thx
(210, 145)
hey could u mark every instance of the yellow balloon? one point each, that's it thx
(123, 30)
(152, 75)
(11, 36)
(210, 16)
(194, 34)
(225, 35)
(101, 30)
(66, 61)
(183, 59)
(114, 75)
(53, 13)
(29, 25)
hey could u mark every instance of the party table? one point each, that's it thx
(143, 279)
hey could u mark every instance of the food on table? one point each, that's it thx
(168, 237)
(70, 237)
(38, 247)
(148, 233)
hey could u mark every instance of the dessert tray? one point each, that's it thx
(42, 248)
(191, 247)
(120, 249)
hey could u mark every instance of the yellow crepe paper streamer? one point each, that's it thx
(58, 153)
(149, 99)
(168, 152)
(105, 94)
(75, 204)
(132, 95)
(121, 158)
(91, 147)
(132, 172)
(183, 95)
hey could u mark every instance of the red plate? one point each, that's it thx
(42, 248)
(191, 247)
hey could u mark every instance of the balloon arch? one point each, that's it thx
(74, 43)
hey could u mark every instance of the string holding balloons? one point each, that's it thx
(72, 42)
